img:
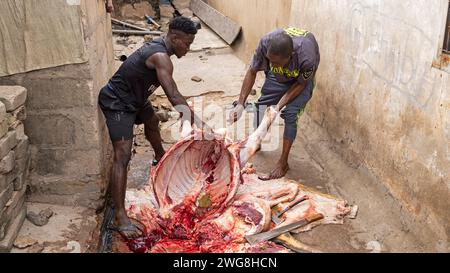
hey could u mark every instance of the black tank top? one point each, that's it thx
(134, 82)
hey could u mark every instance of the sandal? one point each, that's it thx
(155, 162)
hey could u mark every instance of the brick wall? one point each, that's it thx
(14, 163)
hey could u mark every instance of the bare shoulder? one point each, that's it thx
(159, 60)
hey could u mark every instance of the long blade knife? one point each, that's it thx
(261, 237)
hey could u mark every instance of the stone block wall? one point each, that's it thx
(14, 163)
(69, 143)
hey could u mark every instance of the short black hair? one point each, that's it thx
(281, 45)
(183, 24)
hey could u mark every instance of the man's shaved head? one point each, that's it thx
(281, 45)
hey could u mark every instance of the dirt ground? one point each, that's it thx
(380, 226)
(69, 230)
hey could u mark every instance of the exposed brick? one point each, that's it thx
(16, 117)
(10, 177)
(7, 143)
(3, 182)
(16, 199)
(2, 112)
(11, 121)
(23, 167)
(21, 164)
(20, 113)
(8, 216)
(21, 181)
(13, 231)
(13, 97)
(3, 128)
(6, 195)
(21, 149)
(20, 131)
(7, 163)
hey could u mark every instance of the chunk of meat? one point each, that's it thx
(250, 145)
(274, 192)
(204, 203)
(244, 217)
(333, 209)
(194, 169)
(206, 172)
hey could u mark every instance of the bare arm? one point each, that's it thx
(247, 85)
(290, 95)
(164, 68)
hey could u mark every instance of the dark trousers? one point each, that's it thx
(272, 92)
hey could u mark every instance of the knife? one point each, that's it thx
(261, 237)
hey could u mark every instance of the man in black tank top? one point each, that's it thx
(124, 102)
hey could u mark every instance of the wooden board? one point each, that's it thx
(226, 28)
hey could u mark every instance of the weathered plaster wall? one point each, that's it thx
(257, 17)
(66, 130)
(379, 93)
(381, 99)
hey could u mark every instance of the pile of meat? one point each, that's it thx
(201, 198)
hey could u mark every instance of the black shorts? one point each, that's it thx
(121, 124)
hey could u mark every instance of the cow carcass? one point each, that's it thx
(201, 198)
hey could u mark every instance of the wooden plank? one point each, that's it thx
(226, 28)
(118, 22)
(137, 32)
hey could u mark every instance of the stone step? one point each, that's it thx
(2, 112)
(7, 163)
(13, 97)
(11, 211)
(7, 143)
(7, 242)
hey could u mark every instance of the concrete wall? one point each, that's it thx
(257, 17)
(382, 94)
(380, 97)
(66, 130)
